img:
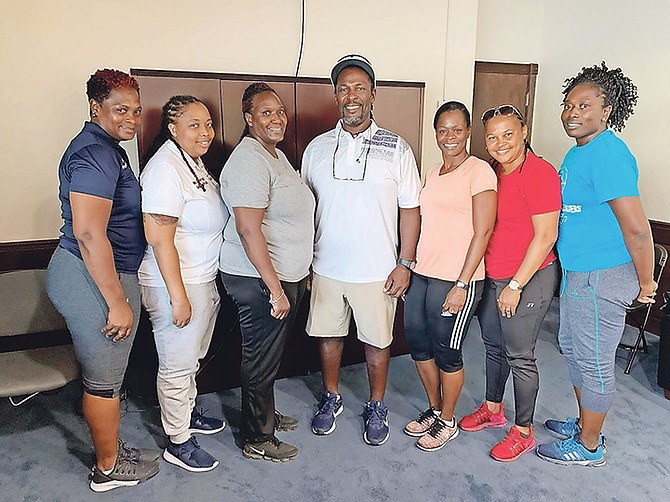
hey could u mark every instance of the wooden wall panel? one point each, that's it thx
(155, 92)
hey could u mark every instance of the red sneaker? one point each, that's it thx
(513, 446)
(483, 418)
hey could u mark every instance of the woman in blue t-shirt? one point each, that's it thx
(92, 277)
(606, 252)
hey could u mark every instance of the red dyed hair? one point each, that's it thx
(102, 82)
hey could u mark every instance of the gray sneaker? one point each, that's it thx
(128, 471)
(141, 454)
(285, 423)
(271, 449)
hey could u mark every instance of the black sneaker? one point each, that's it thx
(271, 449)
(190, 456)
(201, 424)
(128, 471)
(140, 454)
(284, 423)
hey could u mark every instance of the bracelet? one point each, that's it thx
(276, 300)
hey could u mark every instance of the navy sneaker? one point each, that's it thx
(571, 451)
(376, 423)
(201, 424)
(563, 428)
(330, 407)
(189, 456)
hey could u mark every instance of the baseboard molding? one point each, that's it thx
(23, 255)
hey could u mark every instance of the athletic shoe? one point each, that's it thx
(271, 449)
(483, 418)
(422, 423)
(190, 456)
(285, 423)
(571, 451)
(330, 407)
(565, 429)
(139, 454)
(513, 446)
(439, 434)
(201, 424)
(127, 471)
(376, 423)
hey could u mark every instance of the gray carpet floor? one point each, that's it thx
(46, 452)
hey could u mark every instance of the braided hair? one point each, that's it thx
(103, 82)
(617, 90)
(248, 101)
(172, 110)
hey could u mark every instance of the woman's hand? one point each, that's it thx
(647, 293)
(181, 312)
(508, 301)
(281, 308)
(119, 322)
(455, 300)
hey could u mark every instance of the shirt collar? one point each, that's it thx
(368, 133)
(99, 132)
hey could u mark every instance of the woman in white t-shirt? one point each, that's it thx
(183, 222)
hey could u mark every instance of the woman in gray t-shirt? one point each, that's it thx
(264, 262)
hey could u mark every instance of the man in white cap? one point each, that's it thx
(363, 177)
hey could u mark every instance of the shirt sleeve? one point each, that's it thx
(543, 188)
(162, 190)
(483, 179)
(615, 175)
(245, 181)
(94, 170)
(410, 182)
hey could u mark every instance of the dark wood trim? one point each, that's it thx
(141, 72)
(660, 230)
(511, 68)
(22, 255)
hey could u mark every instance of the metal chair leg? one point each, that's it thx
(634, 350)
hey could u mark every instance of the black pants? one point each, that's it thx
(263, 340)
(510, 342)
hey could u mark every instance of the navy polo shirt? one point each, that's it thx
(95, 164)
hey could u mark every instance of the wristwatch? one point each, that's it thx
(460, 284)
(514, 285)
(410, 264)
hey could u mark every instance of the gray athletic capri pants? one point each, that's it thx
(592, 319)
(74, 294)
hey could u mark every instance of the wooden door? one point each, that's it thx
(501, 84)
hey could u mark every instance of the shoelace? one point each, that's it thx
(328, 404)
(437, 428)
(129, 452)
(198, 413)
(426, 416)
(376, 417)
(511, 443)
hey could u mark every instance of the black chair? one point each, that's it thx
(638, 314)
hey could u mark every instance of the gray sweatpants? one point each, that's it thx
(592, 320)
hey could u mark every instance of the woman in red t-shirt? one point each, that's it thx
(521, 277)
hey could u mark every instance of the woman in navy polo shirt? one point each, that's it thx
(606, 252)
(92, 277)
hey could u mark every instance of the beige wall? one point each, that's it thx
(564, 35)
(48, 50)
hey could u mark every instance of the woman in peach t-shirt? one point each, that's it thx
(458, 210)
